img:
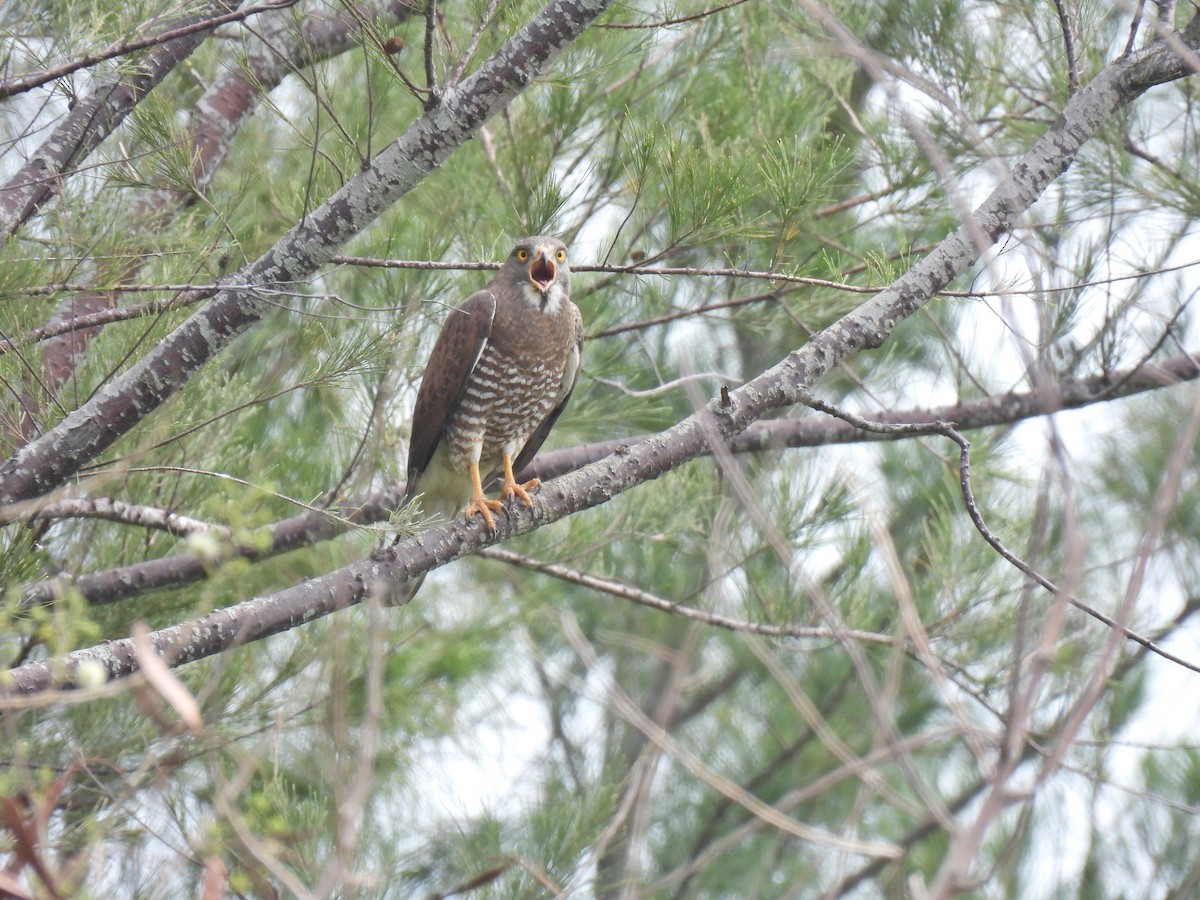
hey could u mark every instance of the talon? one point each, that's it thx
(485, 508)
(520, 490)
(511, 487)
(479, 502)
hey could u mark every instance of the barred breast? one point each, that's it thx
(512, 388)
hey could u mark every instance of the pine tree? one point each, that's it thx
(860, 566)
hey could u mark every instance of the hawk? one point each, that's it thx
(500, 374)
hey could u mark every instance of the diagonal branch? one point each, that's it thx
(645, 598)
(44, 464)
(94, 117)
(305, 529)
(784, 385)
(285, 43)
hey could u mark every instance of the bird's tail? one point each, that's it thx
(393, 594)
(440, 492)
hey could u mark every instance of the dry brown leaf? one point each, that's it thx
(163, 680)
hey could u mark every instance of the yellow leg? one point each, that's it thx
(479, 501)
(511, 487)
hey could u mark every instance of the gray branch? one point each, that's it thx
(180, 569)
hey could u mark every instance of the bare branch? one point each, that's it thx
(114, 585)
(652, 601)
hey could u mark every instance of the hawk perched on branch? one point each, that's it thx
(500, 374)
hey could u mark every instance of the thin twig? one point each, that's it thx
(473, 43)
(1135, 24)
(726, 272)
(735, 272)
(664, 23)
(668, 386)
(653, 601)
(964, 469)
(1068, 33)
(431, 85)
(12, 86)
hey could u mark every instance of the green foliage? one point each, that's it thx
(513, 733)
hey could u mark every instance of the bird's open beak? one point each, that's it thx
(542, 270)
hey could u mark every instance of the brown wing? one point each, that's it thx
(570, 376)
(455, 354)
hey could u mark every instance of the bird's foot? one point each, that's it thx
(520, 490)
(485, 508)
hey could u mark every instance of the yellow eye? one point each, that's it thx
(561, 254)
(522, 255)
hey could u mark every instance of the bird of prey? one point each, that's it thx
(499, 376)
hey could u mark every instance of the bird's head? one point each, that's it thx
(540, 266)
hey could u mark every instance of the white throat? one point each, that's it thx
(550, 302)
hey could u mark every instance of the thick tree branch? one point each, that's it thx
(94, 117)
(47, 462)
(1005, 409)
(114, 585)
(784, 385)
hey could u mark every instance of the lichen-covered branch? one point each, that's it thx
(305, 529)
